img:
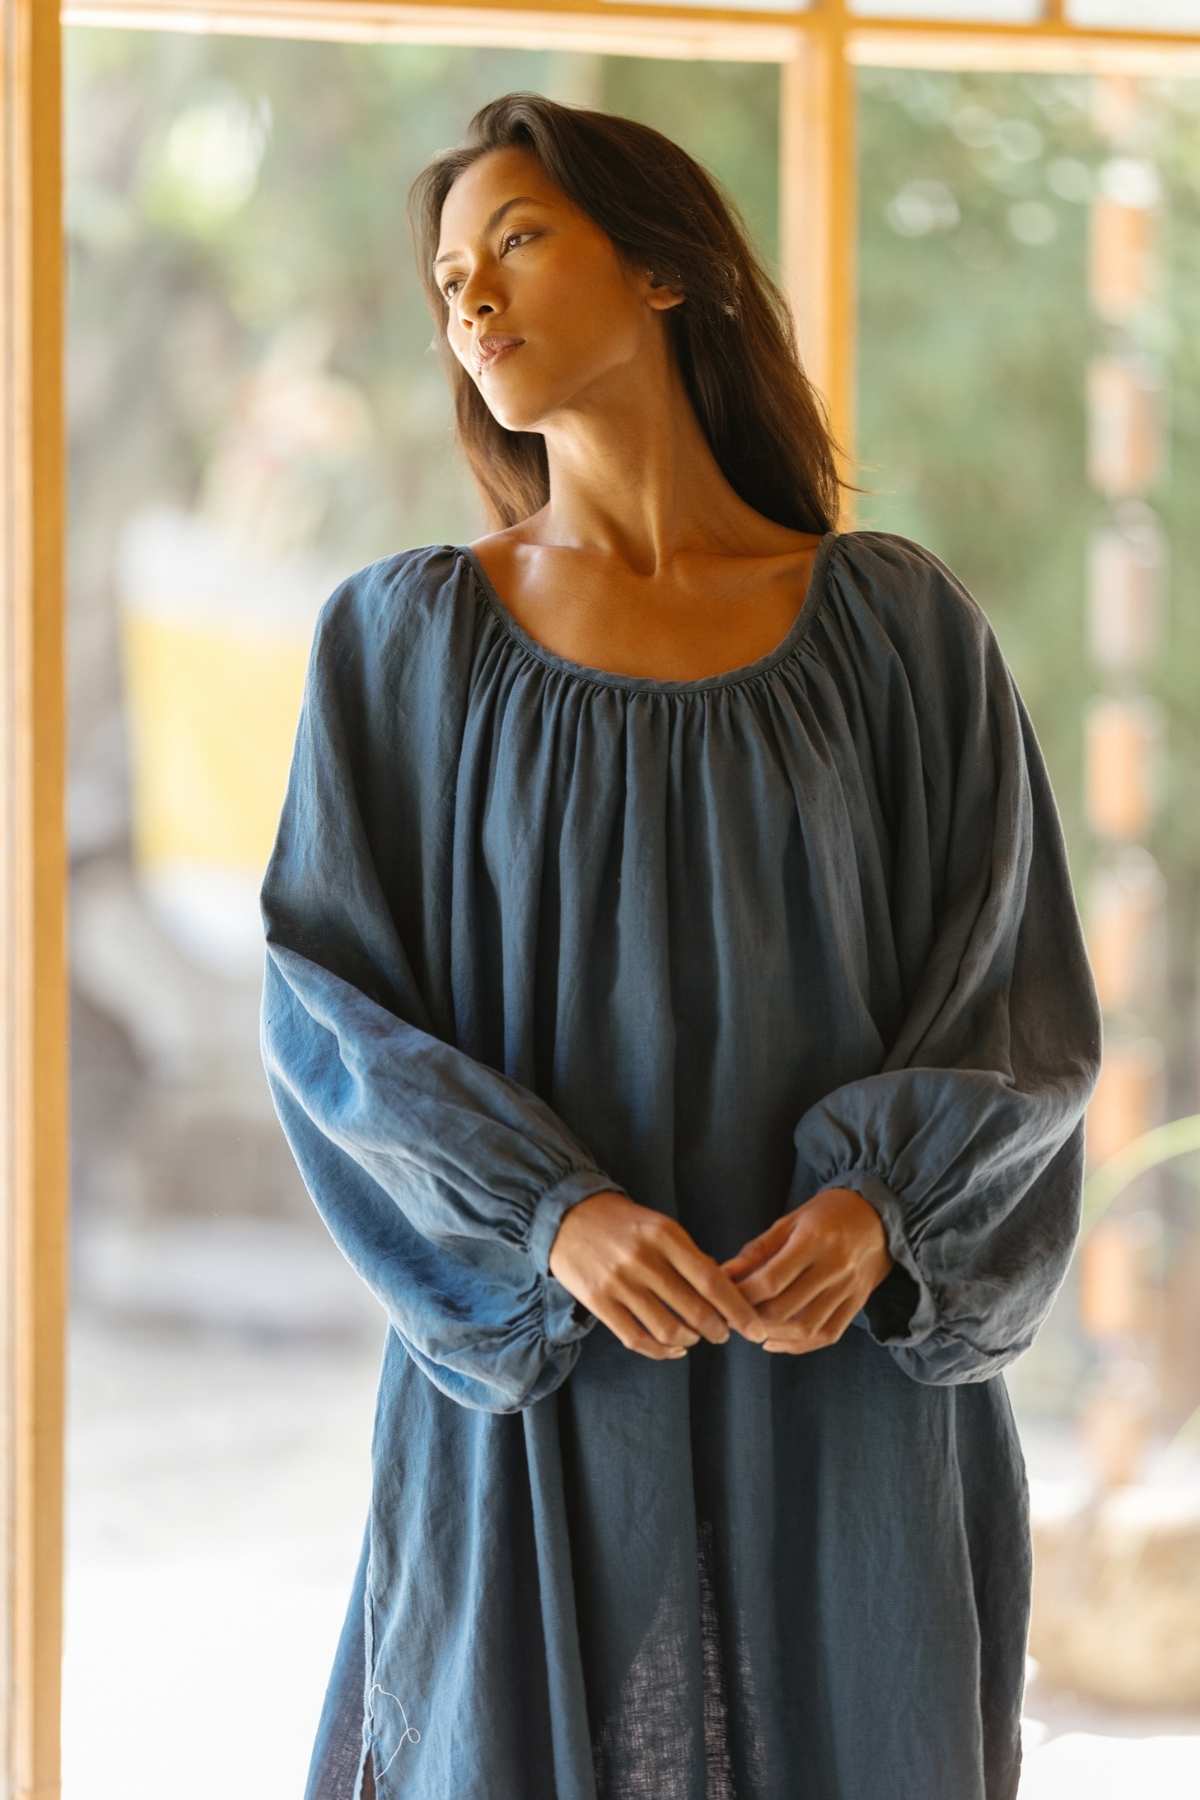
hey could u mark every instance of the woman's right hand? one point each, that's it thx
(644, 1277)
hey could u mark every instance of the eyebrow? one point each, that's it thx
(494, 219)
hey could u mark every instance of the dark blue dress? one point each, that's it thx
(535, 930)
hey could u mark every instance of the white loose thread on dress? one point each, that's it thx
(410, 1731)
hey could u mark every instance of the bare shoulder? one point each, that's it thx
(495, 551)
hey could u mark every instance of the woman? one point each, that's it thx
(670, 944)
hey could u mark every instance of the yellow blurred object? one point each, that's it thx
(211, 713)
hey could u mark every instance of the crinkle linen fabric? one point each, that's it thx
(534, 930)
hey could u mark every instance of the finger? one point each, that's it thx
(666, 1326)
(739, 1275)
(632, 1331)
(776, 1276)
(745, 1259)
(751, 1256)
(675, 1274)
(816, 1333)
(809, 1300)
(695, 1285)
(681, 1287)
(728, 1296)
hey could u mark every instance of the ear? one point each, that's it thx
(661, 294)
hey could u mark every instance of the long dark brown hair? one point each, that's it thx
(733, 336)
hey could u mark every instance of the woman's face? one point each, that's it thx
(544, 272)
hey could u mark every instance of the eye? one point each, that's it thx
(508, 236)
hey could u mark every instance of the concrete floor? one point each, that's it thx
(216, 1494)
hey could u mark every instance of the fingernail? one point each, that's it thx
(680, 1350)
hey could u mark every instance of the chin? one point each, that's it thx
(515, 418)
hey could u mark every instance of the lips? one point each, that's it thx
(490, 347)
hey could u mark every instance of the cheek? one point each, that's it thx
(580, 302)
(593, 333)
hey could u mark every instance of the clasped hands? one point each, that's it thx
(795, 1287)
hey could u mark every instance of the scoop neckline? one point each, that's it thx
(798, 629)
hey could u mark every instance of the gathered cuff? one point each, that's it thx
(564, 1318)
(549, 1208)
(902, 1309)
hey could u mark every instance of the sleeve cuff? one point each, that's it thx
(901, 1309)
(565, 1317)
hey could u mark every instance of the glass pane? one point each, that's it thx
(991, 12)
(1139, 15)
(791, 6)
(1147, 15)
(253, 413)
(1027, 312)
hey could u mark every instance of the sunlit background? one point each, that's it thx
(255, 411)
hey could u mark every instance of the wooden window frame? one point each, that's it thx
(817, 50)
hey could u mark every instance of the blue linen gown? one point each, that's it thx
(535, 930)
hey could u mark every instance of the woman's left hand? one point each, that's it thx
(811, 1270)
